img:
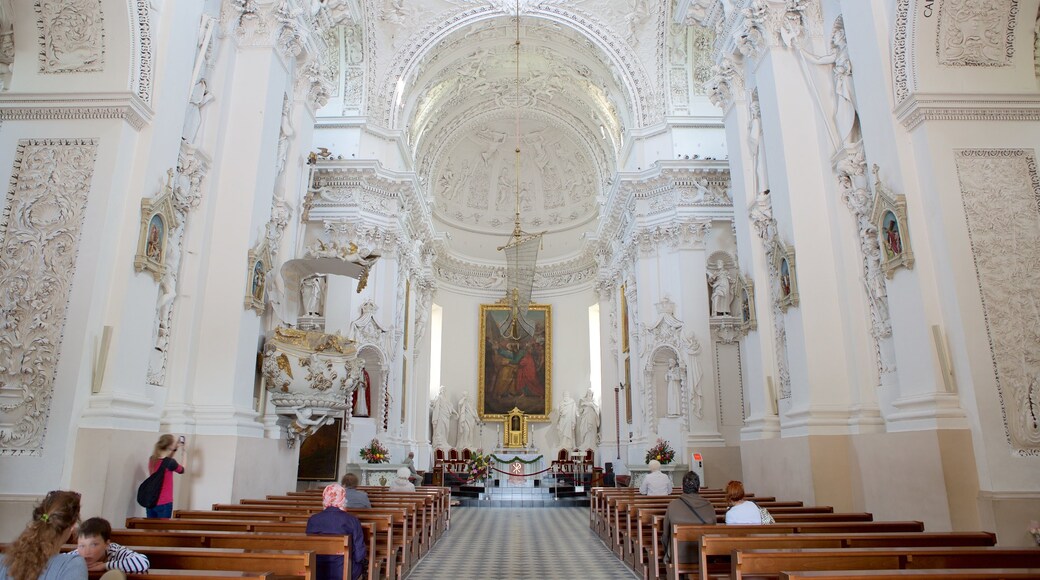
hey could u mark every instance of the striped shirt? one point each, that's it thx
(120, 558)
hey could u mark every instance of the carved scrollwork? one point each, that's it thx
(71, 36)
(38, 247)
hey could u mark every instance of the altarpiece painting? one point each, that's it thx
(515, 371)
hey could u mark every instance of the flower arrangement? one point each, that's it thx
(479, 466)
(661, 451)
(1034, 530)
(374, 452)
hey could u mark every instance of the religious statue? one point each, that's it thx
(564, 420)
(674, 379)
(442, 412)
(285, 135)
(200, 97)
(312, 290)
(721, 290)
(362, 395)
(305, 424)
(467, 423)
(588, 422)
(844, 93)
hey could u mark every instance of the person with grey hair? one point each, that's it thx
(656, 482)
(354, 498)
(401, 483)
(689, 508)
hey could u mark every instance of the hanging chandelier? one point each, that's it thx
(522, 248)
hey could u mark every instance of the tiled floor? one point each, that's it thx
(516, 543)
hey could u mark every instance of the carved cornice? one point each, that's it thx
(486, 278)
(920, 107)
(64, 106)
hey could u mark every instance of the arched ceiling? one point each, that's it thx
(460, 110)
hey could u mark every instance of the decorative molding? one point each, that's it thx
(72, 36)
(75, 106)
(668, 334)
(902, 51)
(760, 214)
(458, 272)
(976, 34)
(366, 331)
(921, 107)
(258, 266)
(141, 80)
(39, 246)
(1000, 190)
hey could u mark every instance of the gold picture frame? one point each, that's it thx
(746, 304)
(889, 217)
(786, 272)
(514, 373)
(158, 220)
(258, 266)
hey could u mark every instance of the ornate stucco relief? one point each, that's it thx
(72, 36)
(142, 51)
(760, 214)
(976, 32)
(39, 244)
(1000, 189)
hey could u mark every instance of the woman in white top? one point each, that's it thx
(741, 511)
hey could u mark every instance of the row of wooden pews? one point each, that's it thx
(265, 538)
(806, 542)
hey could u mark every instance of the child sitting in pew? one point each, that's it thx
(100, 554)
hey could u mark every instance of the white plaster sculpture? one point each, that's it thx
(442, 412)
(755, 142)
(844, 93)
(312, 289)
(674, 380)
(284, 137)
(588, 422)
(305, 424)
(467, 423)
(721, 290)
(564, 420)
(361, 403)
(200, 97)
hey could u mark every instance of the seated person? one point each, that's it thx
(35, 552)
(355, 498)
(689, 508)
(401, 483)
(744, 511)
(656, 482)
(333, 521)
(100, 554)
(409, 462)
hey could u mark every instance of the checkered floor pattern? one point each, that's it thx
(515, 544)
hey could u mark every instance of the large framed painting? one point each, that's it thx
(515, 372)
(319, 454)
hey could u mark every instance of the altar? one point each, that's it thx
(673, 470)
(519, 465)
(378, 473)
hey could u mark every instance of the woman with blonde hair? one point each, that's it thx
(162, 458)
(743, 510)
(36, 552)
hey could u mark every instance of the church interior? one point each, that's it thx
(796, 241)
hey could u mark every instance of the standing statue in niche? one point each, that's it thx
(467, 423)
(844, 92)
(285, 135)
(588, 422)
(721, 290)
(311, 290)
(674, 381)
(564, 420)
(441, 411)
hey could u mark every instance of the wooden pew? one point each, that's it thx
(770, 563)
(694, 532)
(300, 564)
(938, 574)
(158, 574)
(320, 545)
(715, 550)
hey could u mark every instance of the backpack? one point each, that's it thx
(149, 490)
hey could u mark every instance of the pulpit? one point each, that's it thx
(515, 433)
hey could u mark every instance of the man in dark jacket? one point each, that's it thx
(333, 521)
(689, 508)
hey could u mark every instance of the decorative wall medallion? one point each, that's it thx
(39, 244)
(158, 219)
(71, 36)
(259, 265)
(1000, 189)
(889, 217)
(746, 304)
(976, 32)
(783, 261)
